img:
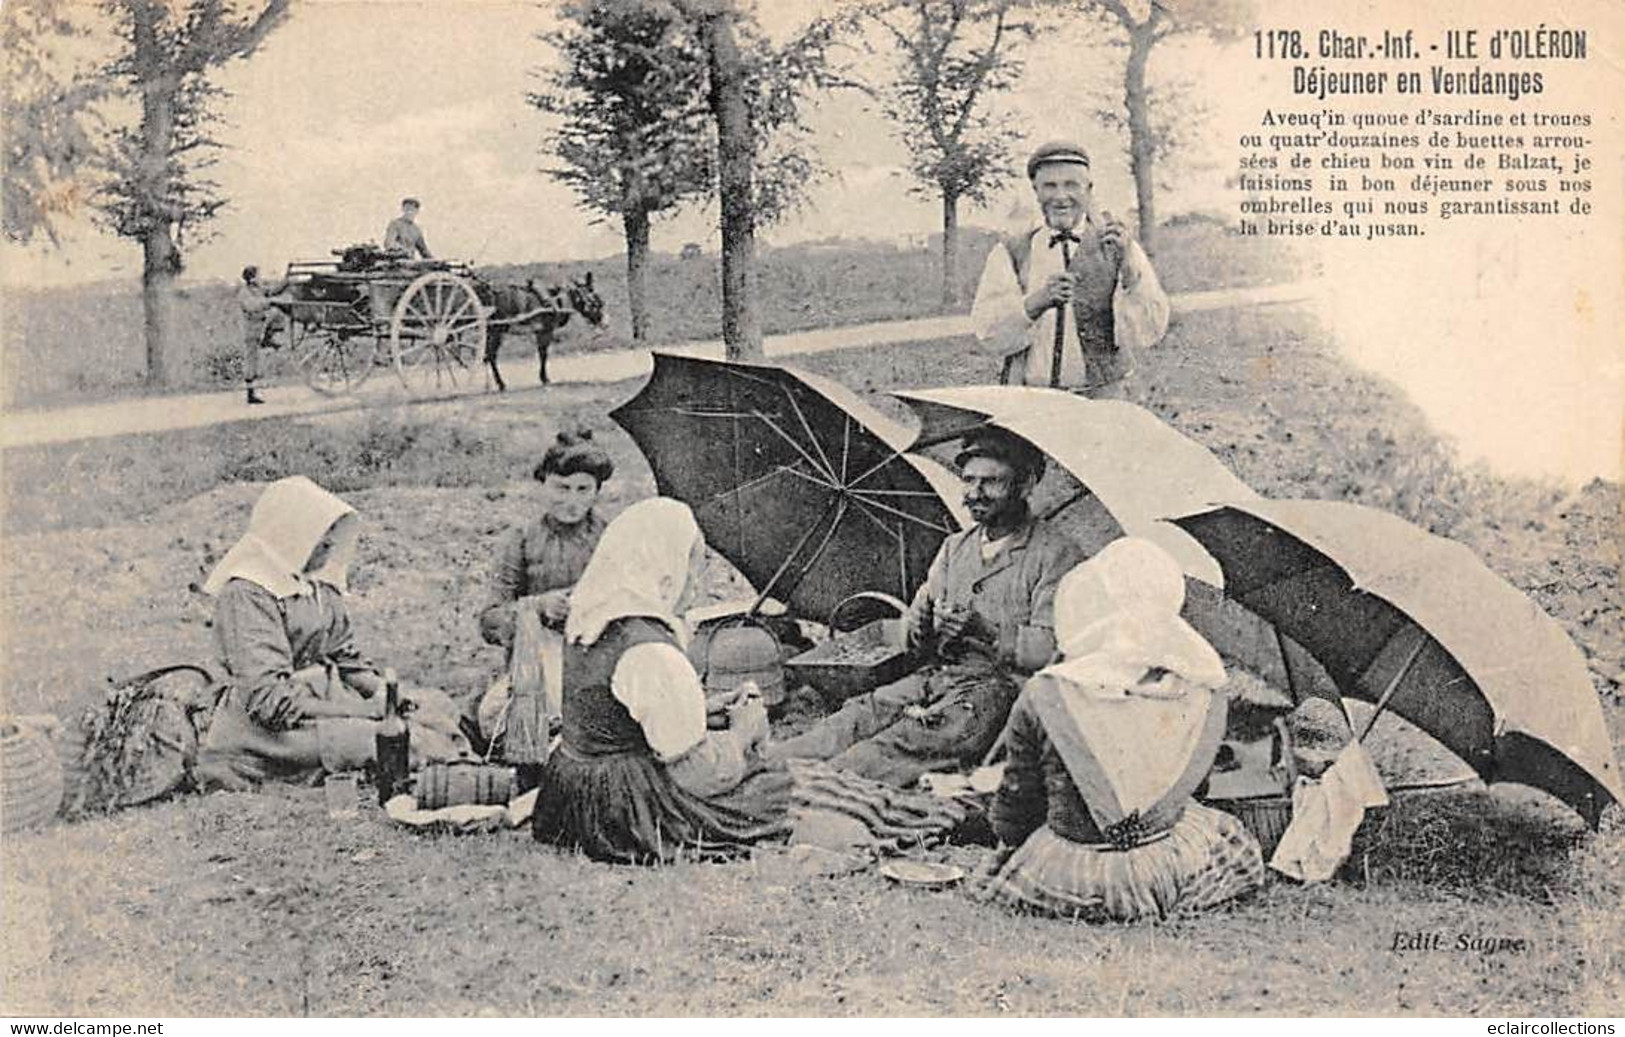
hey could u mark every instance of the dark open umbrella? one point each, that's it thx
(1418, 624)
(793, 479)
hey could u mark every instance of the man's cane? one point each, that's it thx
(1060, 318)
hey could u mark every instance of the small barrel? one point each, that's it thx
(464, 783)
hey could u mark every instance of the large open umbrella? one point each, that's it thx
(1418, 624)
(1134, 472)
(794, 479)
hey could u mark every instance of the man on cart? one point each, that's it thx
(403, 237)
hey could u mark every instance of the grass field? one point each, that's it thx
(71, 345)
(259, 904)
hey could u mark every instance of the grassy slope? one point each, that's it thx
(62, 345)
(258, 904)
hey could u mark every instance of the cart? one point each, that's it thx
(368, 308)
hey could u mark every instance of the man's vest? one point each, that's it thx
(1091, 304)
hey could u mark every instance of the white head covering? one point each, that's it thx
(1117, 616)
(639, 568)
(289, 521)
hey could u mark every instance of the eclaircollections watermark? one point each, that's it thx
(1461, 943)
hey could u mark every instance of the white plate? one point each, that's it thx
(929, 874)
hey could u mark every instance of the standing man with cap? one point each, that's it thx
(1066, 305)
(403, 235)
(982, 622)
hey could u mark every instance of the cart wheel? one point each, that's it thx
(335, 362)
(437, 333)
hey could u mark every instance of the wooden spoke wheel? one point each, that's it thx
(333, 360)
(437, 333)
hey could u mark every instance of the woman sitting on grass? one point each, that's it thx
(638, 775)
(299, 698)
(536, 567)
(1094, 815)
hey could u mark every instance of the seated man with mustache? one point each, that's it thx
(980, 625)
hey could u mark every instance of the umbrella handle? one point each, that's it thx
(1393, 685)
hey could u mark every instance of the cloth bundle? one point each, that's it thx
(840, 811)
(1325, 814)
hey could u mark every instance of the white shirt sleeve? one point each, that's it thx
(1139, 314)
(658, 686)
(999, 316)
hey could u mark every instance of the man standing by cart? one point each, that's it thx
(982, 622)
(403, 236)
(260, 322)
(1068, 304)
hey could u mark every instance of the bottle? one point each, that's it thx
(392, 742)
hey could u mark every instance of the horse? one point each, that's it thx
(542, 310)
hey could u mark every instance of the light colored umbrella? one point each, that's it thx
(1136, 472)
(1136, 467)
(1417, 624)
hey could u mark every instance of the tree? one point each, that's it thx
(736, 150)
(48, 119)
(638, 134)
(157, 190)
(765, 163)
(632, 140)
(954, 56)
(1146, 24)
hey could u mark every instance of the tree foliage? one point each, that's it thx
(631, 135)
(158, 190)
(953, 57)
(49, 122)
(634, 128)
(158, 168)
(1159, 119)
(638, 131)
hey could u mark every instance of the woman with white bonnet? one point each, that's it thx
(299, 698)
(1095, 814)
(639, 775)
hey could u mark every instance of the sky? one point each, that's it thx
(353, 104)
(1507, 336)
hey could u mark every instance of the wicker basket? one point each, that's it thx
(30, 777)
(1266, 817)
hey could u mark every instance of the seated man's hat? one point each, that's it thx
(1056, 151)
(1026, 459)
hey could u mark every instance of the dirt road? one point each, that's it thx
(200, 410)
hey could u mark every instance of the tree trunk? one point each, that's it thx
(950, 251)
(636, 224)
(741, 320)
(160, 259)
(158, 301)
(1141, 146)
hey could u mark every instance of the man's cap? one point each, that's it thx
(413, 202)
(1056, 151)
(1002, 445)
